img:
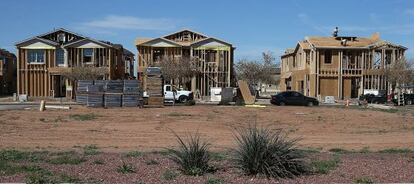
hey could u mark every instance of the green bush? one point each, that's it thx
(268, 152)
(125, 168)
(67, 159)
(324, 166)
(191, 156)
(133, 154)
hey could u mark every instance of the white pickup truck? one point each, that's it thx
(179, 95)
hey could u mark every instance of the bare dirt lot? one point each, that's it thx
(92, 145)
(122, 129)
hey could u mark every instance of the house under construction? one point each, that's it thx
(339, 66)
(215, 56)
(43, 60)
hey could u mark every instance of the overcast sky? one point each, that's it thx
(251, 26)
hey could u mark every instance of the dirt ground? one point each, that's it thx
(123, 129)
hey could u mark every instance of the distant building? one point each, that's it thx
(340, 66)
(8, 73)
(216, 58)
(44, 58)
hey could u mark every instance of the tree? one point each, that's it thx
(180, 69)
(85, 73)
(400, 73)
(257, 72)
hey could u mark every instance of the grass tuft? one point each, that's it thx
(151, 162)
(192, 155)
(268, 152)
(324, 166)
(91, 150)
(67, 159)
(396, 150)
(133, 154)
(125, 168)
(339, 150)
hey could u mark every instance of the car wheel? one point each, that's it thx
(310, 104)
(183, 99)
(282, 104)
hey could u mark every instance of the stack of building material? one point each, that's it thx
(113, 93)
(113, 99)
(94, 95)
(82, 91)
(227, 95)
(132, 96)
(94, 100)
(155, 90)
(154, 86)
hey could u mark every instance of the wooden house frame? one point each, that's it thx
(44, 58)
(342, 67)
(215, 56)
(8, 74)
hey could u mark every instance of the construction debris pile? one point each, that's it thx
(109, 93)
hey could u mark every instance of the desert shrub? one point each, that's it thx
(269, 152)
(125, 168)
(324, 166)
(91, 150)
(67, 159)
(339, 150)
(133, 154)
(364, 180)
(192, 155)
(169, 175)
(396, 150)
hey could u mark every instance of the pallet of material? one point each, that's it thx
(101, 83)
(94, 100)
(131, 100)
(156, 101)
(81, 98)
(114, 86)
(83, 85)
(95, 89)
(132, 87)
(112, 100)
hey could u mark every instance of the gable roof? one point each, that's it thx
(183, 30)
(336, 43)
(147, 42)
(87, 39)
(144, 41)
(34, 39)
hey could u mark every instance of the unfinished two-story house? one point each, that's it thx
(338, 66)
(43, 59)
(7, 72)
(215, 56)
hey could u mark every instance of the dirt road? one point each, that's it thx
(148, 129)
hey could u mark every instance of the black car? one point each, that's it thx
(293, 98)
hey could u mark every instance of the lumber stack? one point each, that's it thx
(109, 93)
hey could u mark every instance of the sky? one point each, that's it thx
(252, 26)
